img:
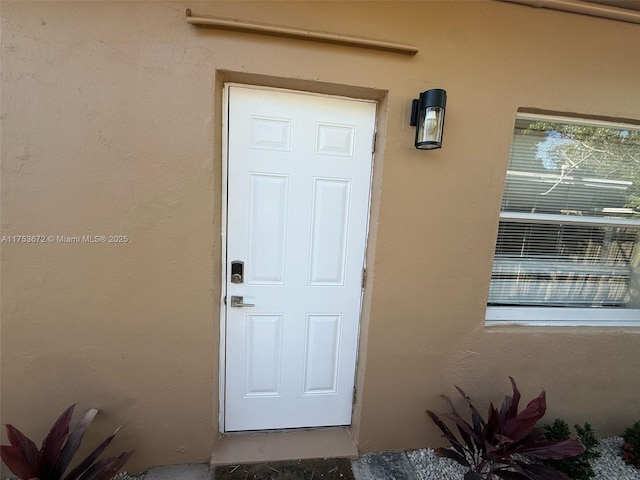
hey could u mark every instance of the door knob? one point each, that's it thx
(238, 301)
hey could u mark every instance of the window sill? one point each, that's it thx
(562, 317)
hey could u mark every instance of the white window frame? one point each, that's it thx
(496, 316)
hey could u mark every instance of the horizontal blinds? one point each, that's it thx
(562, 265)
(570, 222)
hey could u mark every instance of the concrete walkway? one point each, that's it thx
(383, 466)
(187, 471)
(370, 466)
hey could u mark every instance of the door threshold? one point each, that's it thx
(256, 447)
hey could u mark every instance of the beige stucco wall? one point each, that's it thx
(111, 126)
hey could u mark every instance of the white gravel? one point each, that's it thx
(610, 465)
(430, 467)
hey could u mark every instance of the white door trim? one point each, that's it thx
(224, 219)
(223, 265)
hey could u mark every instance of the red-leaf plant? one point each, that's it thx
(507, 445)
(50, 462)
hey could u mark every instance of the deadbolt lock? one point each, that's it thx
(237, 271)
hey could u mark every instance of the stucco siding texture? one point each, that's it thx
(111, 125)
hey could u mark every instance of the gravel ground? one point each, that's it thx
(427, 466)
(610, 466)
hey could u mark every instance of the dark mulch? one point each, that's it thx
(326, 469)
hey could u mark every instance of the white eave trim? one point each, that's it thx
(584, 8)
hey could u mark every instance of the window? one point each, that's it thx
(568, 246)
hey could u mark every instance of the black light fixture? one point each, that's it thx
(427, 115)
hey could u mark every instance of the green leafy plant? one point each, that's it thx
(58, 448)
(506, 445)
(631, 446)
(578, 467)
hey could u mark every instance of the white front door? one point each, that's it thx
(299, 174)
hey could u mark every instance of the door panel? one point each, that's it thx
(299, 172)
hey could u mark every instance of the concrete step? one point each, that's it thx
(369, 466)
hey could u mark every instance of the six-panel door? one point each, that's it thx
(299, 174)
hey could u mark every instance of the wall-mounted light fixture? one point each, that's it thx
(427, 115)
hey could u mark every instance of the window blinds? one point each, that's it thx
(570, 216)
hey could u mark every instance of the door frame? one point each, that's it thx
(223, 232)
